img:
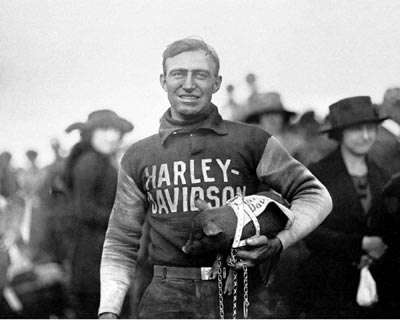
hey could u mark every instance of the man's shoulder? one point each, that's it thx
(244, 129)
(145, 143)
(142, 148)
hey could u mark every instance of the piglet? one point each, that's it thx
(213, 229)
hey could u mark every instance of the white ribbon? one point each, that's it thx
(248, 209)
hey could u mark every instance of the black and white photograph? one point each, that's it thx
(199, 159)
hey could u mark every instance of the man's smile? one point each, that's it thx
(188, 97)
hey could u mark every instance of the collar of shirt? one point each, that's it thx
(392, 126)
(209, 121)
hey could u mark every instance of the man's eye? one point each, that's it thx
(177, 74)
(201, 75)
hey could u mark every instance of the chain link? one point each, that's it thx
(235, 285)
(231, 262)
(220, 290)
(246, 302)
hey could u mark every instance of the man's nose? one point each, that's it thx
(189, 83)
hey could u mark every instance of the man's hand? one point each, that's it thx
(108, 315)
(259, 249)
(374, 246)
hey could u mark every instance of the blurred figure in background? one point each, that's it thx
(312, 145)
(270, 114)
(31, 177)
(253, 98)
(231, 110)
(8, 178)
(8, 187)
(349, 236)
(34, 285)
(386, 149)
(34, 221)
(91, 175)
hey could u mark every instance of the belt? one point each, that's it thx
(203, 273)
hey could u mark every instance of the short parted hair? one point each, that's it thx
(190, 44)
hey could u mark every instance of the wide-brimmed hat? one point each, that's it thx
(351, 111)
(102, 118)
(267, 103)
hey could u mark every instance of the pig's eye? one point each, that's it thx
(197, 236)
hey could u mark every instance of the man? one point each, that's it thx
(386, 149)
(196, 154)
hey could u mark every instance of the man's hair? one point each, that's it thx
(190, 44)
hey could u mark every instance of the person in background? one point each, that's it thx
(389, 289)
(313, 146)
(270, 114)
(253, 98)
(197, 154)
(231, 110)
(349, 236)
(8, 178)
(91, 175)
(386, 149)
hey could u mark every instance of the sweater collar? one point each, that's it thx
(211, 120)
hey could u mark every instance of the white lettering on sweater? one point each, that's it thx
(174, 187)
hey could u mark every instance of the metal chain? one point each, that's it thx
(246, 302)
(235, 285)
(220, 290)
(232, 261)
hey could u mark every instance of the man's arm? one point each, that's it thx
(309, 200)
(121, 244)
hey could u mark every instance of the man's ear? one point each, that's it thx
(217, 84)
(163, 82)
(211, 229)
(201, 204)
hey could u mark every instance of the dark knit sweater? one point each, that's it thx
(161, 175)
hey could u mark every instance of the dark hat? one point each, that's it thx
(266, 103)
(352, 111)
(102, 118)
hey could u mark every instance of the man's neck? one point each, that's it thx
(189, 117)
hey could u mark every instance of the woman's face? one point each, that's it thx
(106, 140)
(358, 139)
(272, 123)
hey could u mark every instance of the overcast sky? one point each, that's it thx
(60, 60)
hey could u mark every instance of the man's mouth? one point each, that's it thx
(188, 97)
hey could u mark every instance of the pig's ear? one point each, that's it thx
(201, 204)
(211, 229)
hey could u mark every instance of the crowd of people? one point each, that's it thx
(55, 220)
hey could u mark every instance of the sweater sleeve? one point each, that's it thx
(121, 244)
(309, 200)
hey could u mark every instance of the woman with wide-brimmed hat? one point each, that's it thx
(349, 235)
(269, 113)
(91, 175)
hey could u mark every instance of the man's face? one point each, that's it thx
(190, 82)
